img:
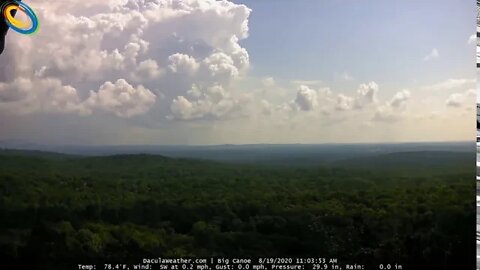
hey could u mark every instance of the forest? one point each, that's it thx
(60, 210)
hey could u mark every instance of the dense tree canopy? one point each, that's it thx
(58, 210)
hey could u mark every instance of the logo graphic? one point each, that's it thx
(26, 28)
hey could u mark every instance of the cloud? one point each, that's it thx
(324, 100)
(432, 55)
(400, 99)
(182, 63)
(147, 70)
(463, 99)
(344, 103)
(331, 106)
(366, 95)
(221, 66)
(49, 95)
(213, 102)
(28, 95)
(450, 84)
(122, 99)
(472, 39)
(183, 108)
(394, 109)
(455, 100)
(115, 44)
(385, 113)
(306, 98)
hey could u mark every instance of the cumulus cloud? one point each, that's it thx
(306, 98)
(184, 109)
(325, 101)
(182, 63)
(49, 95)
(344, 103)
(122, 99)
(393, 110)
(432, 55)
(111, 45)
(212, 102)
(366, 95)
(455, 100)
(399, 99)
(472, 39)
(147, 70)
(462, 99)
(221, 66)
(26, 95)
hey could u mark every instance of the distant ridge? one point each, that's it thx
(420, 160)
(33, 153)
(389, 159)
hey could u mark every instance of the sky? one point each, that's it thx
(241, 72)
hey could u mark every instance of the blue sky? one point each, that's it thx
(379, 40)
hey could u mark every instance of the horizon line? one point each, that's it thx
(232, 144)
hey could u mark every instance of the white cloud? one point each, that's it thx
(306, 98)
(212, 102)
(48, 95)
(366, 95)
(122, 99)
(385, 113)
(147, 70)
(472, 39)
(91, 44)
(221, 66)
(400, 98)
(309, 99)
(344, 103)
(462, 99)
(183, 108)
(455, 100)
(450, 84)
(182, 63)
(432, 55)
(394, 109)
